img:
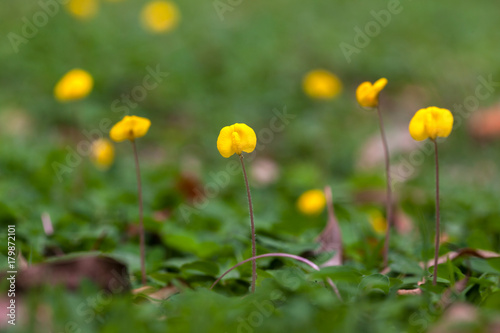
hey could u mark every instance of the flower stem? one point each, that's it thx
(389, 188)
(141, 223)
(436, 251)
(250, 208)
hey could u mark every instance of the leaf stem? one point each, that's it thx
(141, 223)
(250, 208)
(389, 188)
(436, 251)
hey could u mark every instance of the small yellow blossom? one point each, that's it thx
(236, 139)
(103, 153)
(367, 93)
(83, 9)
(430, 123)
(378, 222)
(130, 127)
(321, 84)
(311, 202)
(76, 84)
(160, 16)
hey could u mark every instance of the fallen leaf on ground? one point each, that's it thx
(330, 238)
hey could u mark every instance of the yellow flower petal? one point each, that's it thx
(311, 202)
(236, 139)
(130, 127)
(103, 153)
(380, 84)
(367, 93)
(321, 84)
(431, 122)
(417, 126)
(160, 16)
(83, 9)
(75, 84)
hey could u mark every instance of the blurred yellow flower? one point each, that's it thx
(321, 84)
(160, 16)
(378, 222)
(103, 153)
(311, 202)
(430, 123)
(83, 9)
(367, 93)
(75, 84)
(236, 139)
(130, 127)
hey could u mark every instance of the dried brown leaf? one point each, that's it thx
(330, 238)
(107, 273)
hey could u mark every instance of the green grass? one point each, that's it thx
(240, 70)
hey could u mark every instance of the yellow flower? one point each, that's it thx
(430, 123)
(236, 139)
(75, 84)
(160, 16)
(130, 127)
(367, 93)
(83, 9)
(311, 202)
(321, 84)
(378, 222)
(103, 153)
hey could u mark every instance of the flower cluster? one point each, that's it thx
(431, 122)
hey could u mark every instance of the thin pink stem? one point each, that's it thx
(389, 188)
(436, 251)
(252, 225)
(141, 223)
(285, 255)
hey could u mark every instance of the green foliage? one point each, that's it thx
(243, 69)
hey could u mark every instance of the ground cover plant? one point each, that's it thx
(237, 166)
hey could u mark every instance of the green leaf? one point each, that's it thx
(404, 265)
(492, 301)
(491, 266)
(339, 273)
(375, 282)
(204, 267)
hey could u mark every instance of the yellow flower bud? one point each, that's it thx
(82, 9)
(103, 153)
(321, 84)
(236, 139)
(76, 84)
(311, 202)
(367, 93)
(430, 123)
(160, 16)
(130, 127)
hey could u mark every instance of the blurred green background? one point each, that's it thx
(244, 65)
